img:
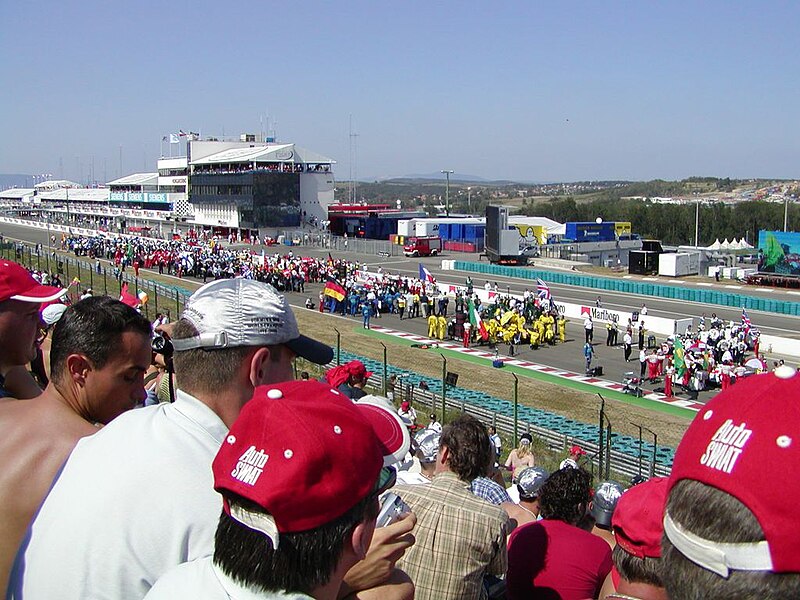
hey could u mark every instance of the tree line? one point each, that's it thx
(675, 223)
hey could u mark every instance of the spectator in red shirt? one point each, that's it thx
(554, 558)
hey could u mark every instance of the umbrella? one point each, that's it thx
(756, 364)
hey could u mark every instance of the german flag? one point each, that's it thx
(334, 290)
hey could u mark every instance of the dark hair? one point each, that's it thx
(637, 570)
(565, 494)
(302, 561)
(93, 327)
(468, 442)
(717, 516)
(209, 370)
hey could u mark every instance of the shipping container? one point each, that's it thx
(678, 264)
(642, 262)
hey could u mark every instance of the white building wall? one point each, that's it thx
(216, 215)
(316, 194)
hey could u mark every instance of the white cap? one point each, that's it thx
(244, 312)
(52, 313)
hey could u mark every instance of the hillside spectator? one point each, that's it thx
(521, 457)
(526, 491)
(604, 503)
(459, 537)
(553, 557)
(638, 524)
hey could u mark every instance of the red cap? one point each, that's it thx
(577, 450)
(17, 284)
(357, 369)
(746, 442)
(638, 521)
(306, 454)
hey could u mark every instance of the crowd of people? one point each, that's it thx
(254, 484)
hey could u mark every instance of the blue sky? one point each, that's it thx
(534, 91)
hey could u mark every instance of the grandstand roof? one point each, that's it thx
(77, 195)
(16, 193)
(264, 153)
(136, 179)
(52, 184)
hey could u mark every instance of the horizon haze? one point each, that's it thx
(519, 91)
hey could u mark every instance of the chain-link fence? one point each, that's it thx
(78, 274)
(430, 384)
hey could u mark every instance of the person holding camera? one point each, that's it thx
(99, 532)
(281, 534)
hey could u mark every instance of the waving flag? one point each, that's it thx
(425, 275)
(543, 290)
(476, 321)
(334, 290)
(678, 357)
(746, 323)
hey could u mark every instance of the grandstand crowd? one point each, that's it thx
(318, 489)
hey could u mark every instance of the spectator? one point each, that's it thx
(485, 487)
(433, 424)
(572, 461)
(638, 524)
(731, 526)
(527, 509)
(100, 352)
(497, 443)
(426, 444)
(20, 299)
(520, 457)
(604, 501)
(553, 557)
(221, 354)
(408, 414)
(279, 531)
(349, 378)
(459, 538)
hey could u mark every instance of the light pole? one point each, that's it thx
(469, 202)
(785, 212)
(696, 221)
(447, 192)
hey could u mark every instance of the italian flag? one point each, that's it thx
(476, 321)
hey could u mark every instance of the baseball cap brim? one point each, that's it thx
(312, 350)
(40, 293)
(389, 428)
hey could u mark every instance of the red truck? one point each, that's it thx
(422, 246)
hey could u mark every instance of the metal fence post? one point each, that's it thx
(444, 386)
(600, 433)
(385, 373)
(655, 447)
(516, 406)
(639, 427)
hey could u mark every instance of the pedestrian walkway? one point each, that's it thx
(567, 376)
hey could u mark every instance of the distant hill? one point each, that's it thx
(455, 178)
(11, 180)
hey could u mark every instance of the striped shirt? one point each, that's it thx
(459, 539)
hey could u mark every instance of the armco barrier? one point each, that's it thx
(557, 431)
(702, 296)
